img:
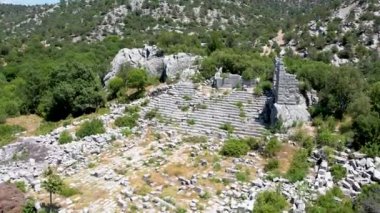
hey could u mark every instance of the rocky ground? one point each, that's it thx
(161, 168)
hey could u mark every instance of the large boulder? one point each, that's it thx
(154, 61)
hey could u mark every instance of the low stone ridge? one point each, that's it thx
(289, 104)
(154, 61)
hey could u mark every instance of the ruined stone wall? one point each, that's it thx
(289, 105)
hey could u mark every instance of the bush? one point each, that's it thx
(191, 122)
(137, 78)
(151, 114)
(369, 199)
(253, 143)
(270, 202)
(330, 203)
(65, 137)
(114, 86)
(338, 172)
(228, 127)
(271, 165)
(272, 147)
(235, 148)
(90, 128)
(299, 166)
(127, 120)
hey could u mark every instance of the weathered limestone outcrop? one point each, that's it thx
(289, 104)
(154, 61)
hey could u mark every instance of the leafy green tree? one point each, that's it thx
(340, 90)
(367, 133)
(270, 202)
(374, 95)
(73, 89)
(137, 78)
(52, 184)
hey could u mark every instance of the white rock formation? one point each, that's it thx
(153, 60)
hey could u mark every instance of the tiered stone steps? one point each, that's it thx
(219, 111)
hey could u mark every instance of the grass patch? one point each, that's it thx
(299, 166)
(8, 132)
(271, 165)
(67, 191)
(270, 201)
(21, 185)
(243, 176)
(195, 139)
(338, 172)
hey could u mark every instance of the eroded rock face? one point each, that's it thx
(153, 60)
(11, 198)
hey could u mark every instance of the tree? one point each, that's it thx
(72, 89)
(137, 78)
(52, 184)
(340, 90)
(374, 95)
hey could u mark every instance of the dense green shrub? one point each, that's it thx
(92, 127)
(368, 200)
(137, 78)
(65, 137)
(330, 203)
(270, 202)
(272, 147)
(299, 166)
(235, 148)
(72, 89)
(338, 172)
